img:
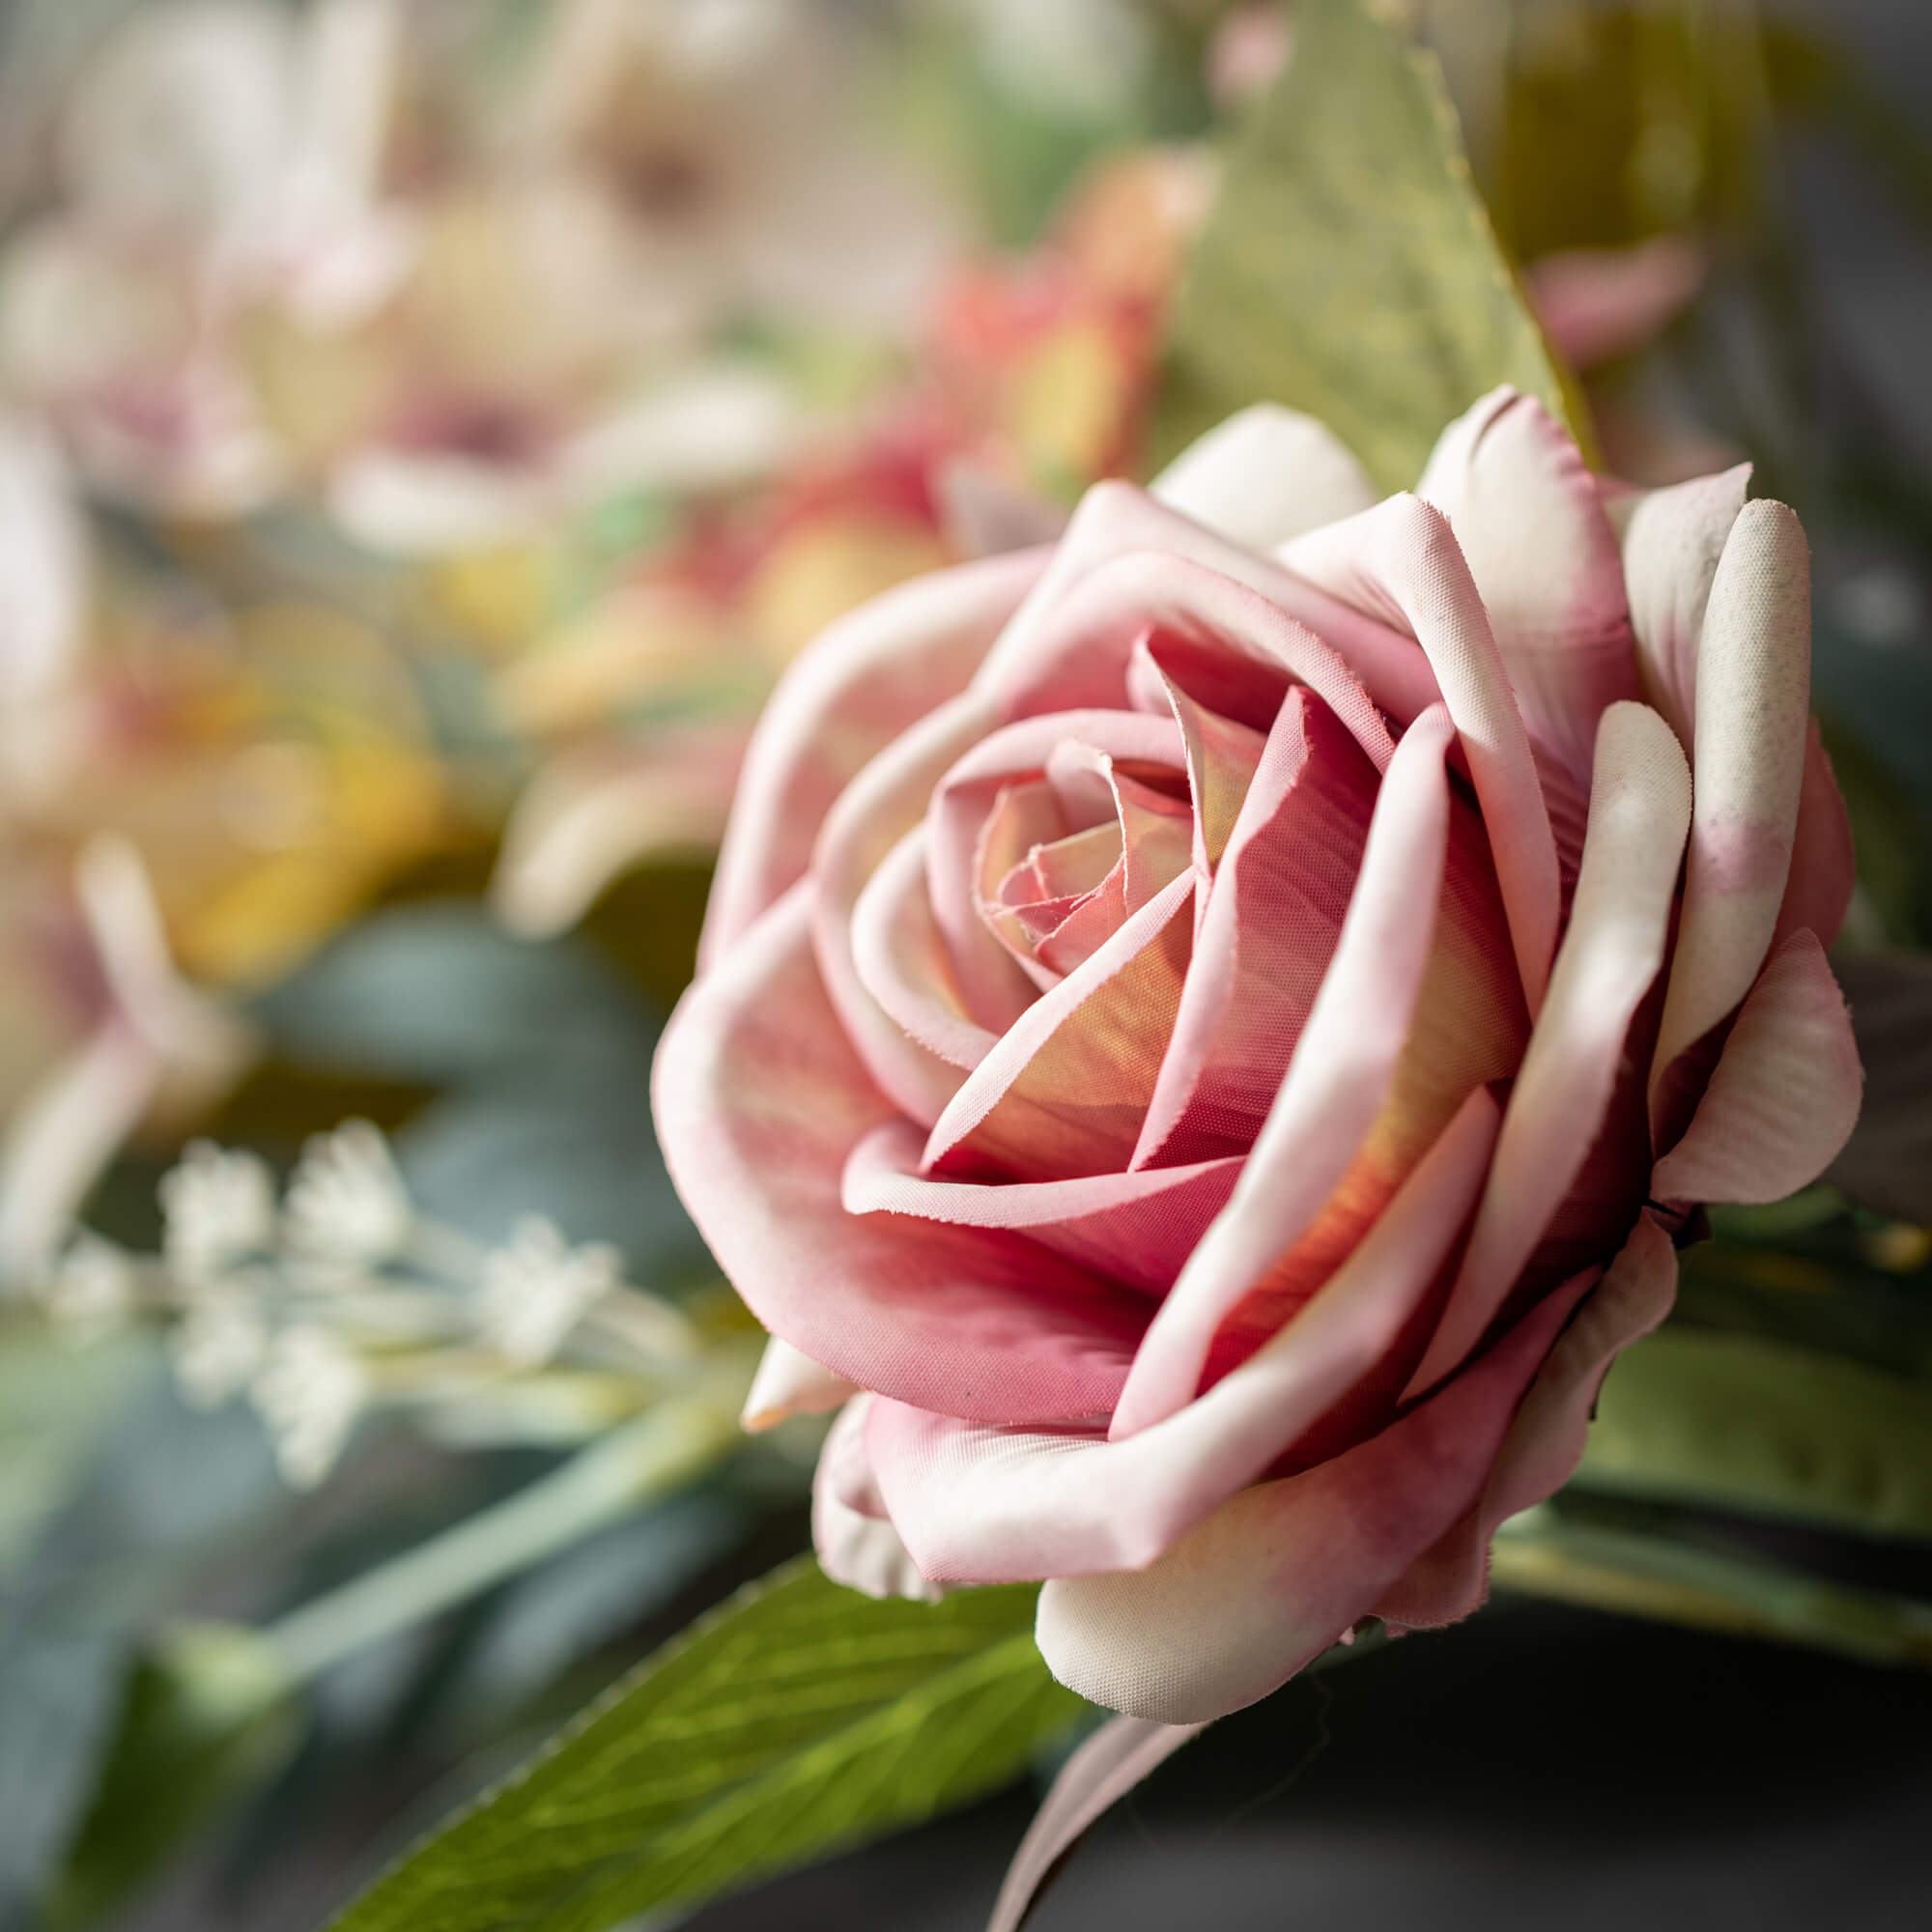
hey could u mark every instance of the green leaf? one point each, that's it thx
(209, 1711)
(1744, 1422)
(796, 1719)
(1348, 269)
(1668, 1579)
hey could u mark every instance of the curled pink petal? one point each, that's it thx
(1265, 474)
(1106, 1768)
(1784, 1095)
(855, 689)
(1639, 807)
(990, 1505)
(1137, 1228)
(1527, 517)
(1672, 540)
(1753, 725)
(1335, 1084)
(1598, 303)
(1052, 660)
(789, 1382)
(759, 1101)
(1400, 560)
(858, 1547)
(1276, 1575)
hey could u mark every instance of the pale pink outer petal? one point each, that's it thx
(870, 816)
(1036, 658)
(1265, 474)
(856, 1548)
(1544, 1442)
(1400, 561)
(1672, 540)
(1753, 725)
(1526, 514)
(1281, 1569)
(1138, 1228)
(1823, 865)
(902, 960)
(759, 1100)
(1784, 1095)
(789, 1382)
(1335, 1084)
(1106, 1768)
(986, 1505)
(1639, 807)
(850, 692)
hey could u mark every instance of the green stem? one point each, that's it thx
(660, 1452)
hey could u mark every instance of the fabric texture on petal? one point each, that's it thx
(1276, 1575)
(1784, 1095)
(851, 692)
(1639, 807)
(759, 1100)
(1265, 474)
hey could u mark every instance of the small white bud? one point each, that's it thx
(218, 1208)
(309, 1392)
(218, 1344)
(535, 1290)
(346, 1202)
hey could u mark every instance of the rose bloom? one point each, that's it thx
(1208, 1033)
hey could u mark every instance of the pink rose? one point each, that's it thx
(1207, 1033)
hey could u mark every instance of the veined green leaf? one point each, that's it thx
(1744, 1422)
(1348, 269)
(798, 1719)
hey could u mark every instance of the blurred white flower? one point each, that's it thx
(217, 1209)
(345, 1203)
(218, 1344)
(535, 1291)
(90, 1290)
(309, 1391)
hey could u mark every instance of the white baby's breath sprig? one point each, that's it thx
(345, 1207)
(218, 1344)
(218, 1209)
(309, 1391)
(91, 1289)
(537, 1288)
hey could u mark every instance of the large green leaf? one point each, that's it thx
(797, 1719)
(1348, 269)
(1745, 1423)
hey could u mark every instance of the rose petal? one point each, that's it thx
(1265, 474)
(987, 1505)
(1106, 1768)
(1065, 1089)
(1269, 930)
(1335, 1084)
(1672, 540)
(1544, 1442)
(1784, 1095)
(1526, 514)
(1598, 303)
(1401, 563)
(1640, 806)
(850, 692)
(1753, 719)
(1824, 866)
(759, 1100)
(788, 1383)
(856, 1548)
(1138, 1228)
(1051, 658)
(1280, 1571)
